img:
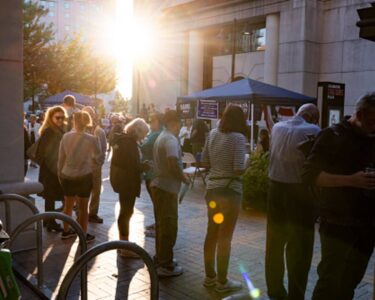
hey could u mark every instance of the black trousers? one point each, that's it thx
(148, 187)
(223, 206)
(346, 251)
(127, 202)
(166, 209)
(290, 231)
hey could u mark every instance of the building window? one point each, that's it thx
(67, 28)
(66, 5)
(82, 6)
(260, 42)
(51, 4)
(67, 15)
(51, 13)
(43, 3)
(249, 38)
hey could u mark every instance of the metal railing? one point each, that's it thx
(6, 198)
(81, 264)
(76, 227)
(104, 247)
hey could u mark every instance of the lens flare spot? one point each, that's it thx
(255, 293)
(212, 204)
(218, 218)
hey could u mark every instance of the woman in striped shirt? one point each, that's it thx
(224, 153)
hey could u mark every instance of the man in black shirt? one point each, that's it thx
(342, 164)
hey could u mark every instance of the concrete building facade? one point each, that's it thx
(290, 43)
(71, 17)
(11, 108)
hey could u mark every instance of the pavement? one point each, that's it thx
(111, 277)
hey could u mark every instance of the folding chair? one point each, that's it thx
(192, 168)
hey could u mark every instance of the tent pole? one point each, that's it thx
(252, 128)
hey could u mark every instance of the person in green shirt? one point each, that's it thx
(147, 147)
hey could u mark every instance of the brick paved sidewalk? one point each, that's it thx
(109, 276)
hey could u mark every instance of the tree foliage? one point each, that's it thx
(255, 182)
(52, 66)
(75, 66)
(36, 38)
(119, 104)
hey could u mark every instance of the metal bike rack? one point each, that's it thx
(13, 197)
(104, 247)
(60, 216)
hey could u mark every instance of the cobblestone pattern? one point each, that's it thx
(111, 277)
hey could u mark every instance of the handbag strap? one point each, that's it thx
(230, 178)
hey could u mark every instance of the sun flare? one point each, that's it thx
(132, 44)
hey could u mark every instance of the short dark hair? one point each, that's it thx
(234, 120)
(171, 116)
(69, 100)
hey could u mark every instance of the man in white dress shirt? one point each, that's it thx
(290, 215)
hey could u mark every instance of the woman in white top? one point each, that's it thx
(78, 156)
(185, 133)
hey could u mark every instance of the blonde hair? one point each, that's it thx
(48, 123)
(137, 128)
(81, 120)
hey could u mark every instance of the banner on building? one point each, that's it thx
(208, 109)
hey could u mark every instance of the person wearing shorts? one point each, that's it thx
(80, 187)
(79, 154)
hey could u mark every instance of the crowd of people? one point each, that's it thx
(332, 182)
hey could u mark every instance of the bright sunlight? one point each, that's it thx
(132, 42)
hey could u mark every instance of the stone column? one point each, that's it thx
(271, 57)
(195, 65)
(11, 101)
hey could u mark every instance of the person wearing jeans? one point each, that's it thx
(97, 131)
(165, 187)
(224, 154)
(147, 148)
(219, 236)
(166, 211)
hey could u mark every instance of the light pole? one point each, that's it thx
(234, 48)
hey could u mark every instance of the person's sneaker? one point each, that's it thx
(127, 254)
(229, 286)
(209, 281)
(89, 238)
(169, 272)
(174, 261)
(95, 219)
(68, 234)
